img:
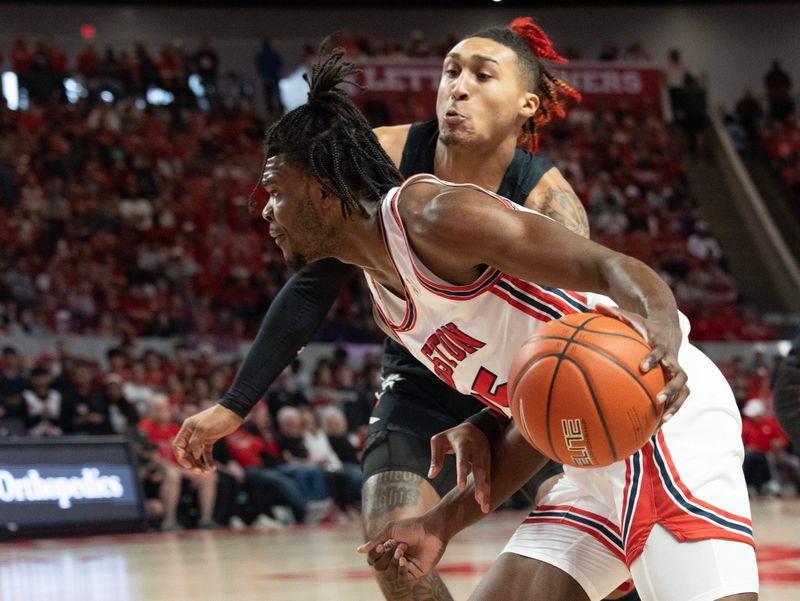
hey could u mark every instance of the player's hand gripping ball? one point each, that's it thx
(577, 393)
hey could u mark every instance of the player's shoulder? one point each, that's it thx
(393, 139)
(433, 207)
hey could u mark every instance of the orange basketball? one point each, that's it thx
(577, 394)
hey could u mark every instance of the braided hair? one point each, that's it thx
(531, 45)
(332, 139)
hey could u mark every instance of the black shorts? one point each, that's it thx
(411, 409)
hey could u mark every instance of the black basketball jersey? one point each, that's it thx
(522, 175)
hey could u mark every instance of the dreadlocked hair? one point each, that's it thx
(332, 139)
(532, 46)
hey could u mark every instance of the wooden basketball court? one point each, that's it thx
(298, 564)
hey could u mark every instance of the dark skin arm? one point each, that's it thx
(438, 216)
(422, 541)
(554, 197)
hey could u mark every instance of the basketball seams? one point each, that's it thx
(618, 363)
(561, 356)
(513, 385)
(602, 353)
(597, 407)
(638, 340)
(562, 353)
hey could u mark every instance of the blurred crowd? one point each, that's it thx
(767, 127)
(42, 68)
(295, 460)
(124, 219)
(630, 173)
(771, 464)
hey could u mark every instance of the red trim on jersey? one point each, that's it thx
(557, 303)
(581, 298)
(685, 489)
(467, 291)
(583, 528)
(626, 493)
(437, 287)
(410, 317)
(517, 304)
(655, 505)
(572, 509)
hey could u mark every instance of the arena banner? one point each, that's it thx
(404, 90)
(68, 486)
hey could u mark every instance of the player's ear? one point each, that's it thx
(530, 105)
(320, 195)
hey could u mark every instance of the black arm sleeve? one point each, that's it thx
(292, 319)
(490, 422)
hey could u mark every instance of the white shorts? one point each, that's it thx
(675, 515)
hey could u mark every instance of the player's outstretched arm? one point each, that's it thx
(421, 541)
(291, 321)
(478, 230)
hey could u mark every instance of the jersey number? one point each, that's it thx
(484, 387)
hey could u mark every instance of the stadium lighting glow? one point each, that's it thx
(106, 96)
(159, 96)
(75, 90)
(11, 90)
(196, 85)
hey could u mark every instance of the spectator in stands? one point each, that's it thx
(47, 415)
(675, 75)
(345, 491)
(353, 400)
(43, 83)
(122, 414)
(749, 112)
(284, 393)
(701, 244)
(12, 384)
(117, 363)
(636, 53)
(259, 457)
(21, 60)
(609, 52)
(334, 426)
(269, 64)
(86, 404)
(323, 390)
(694, 113)
(766, 453)
(779, 92)
(309, 476)
(418, 46)
(206, 63)
(738, 135)
(160, 430)
(137, 390)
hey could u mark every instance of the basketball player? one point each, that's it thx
(479, 136)
(461, 277)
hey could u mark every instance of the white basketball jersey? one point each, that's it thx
(467, 335)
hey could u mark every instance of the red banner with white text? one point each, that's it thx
(404, 91)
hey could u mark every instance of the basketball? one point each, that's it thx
(577, 393)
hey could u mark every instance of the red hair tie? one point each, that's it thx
(536, 38)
